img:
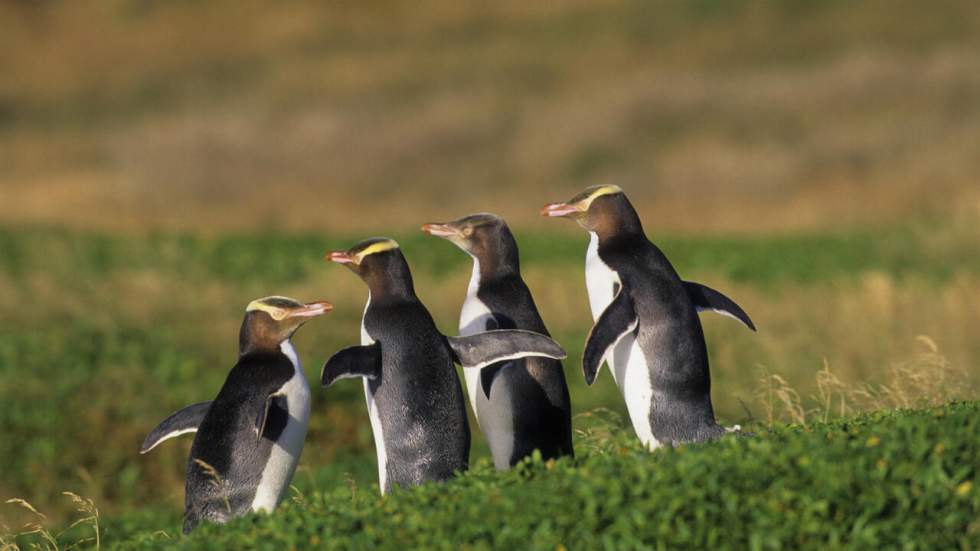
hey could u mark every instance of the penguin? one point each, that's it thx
(414, 400)
(249, 438)
(646, 322)
(520, 405)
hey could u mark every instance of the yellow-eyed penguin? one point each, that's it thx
(414, 400)
(646, 322)
(249, 438)
(521, 405)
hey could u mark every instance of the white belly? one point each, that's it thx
(287, 449)
(599, 279)
(372, 408)
(473, 319)
(627, 364)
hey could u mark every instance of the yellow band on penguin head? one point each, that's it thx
(374, 248)
(597, 192)
(276, 306)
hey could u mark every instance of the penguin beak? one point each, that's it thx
(556, 210)
(440, 230)
(340, 257)
(312, 310)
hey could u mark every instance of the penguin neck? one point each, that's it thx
(398, 286)
(252, 339)
(619, 221)
(482, 275)
(499, 259)
(495, 267)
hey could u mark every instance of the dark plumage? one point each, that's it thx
(249, 438)
(647, 325)
(521, 405)
(413, 394)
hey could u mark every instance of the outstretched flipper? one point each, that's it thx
(615, 322)
(482, 349)
(182, 421)
(706, 298)
(354, 361)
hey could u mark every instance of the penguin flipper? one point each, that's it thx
(615, 322)
(263, 417)
(354, 361)
(182, 421)
(706, 298)
(488, 375)
(482, 349)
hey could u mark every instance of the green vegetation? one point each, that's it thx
(899, 479)
(285, 258)
(890, 479)
(103, 335)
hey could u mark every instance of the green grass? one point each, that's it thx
(899, 479)
(102, 335)
(805, 258)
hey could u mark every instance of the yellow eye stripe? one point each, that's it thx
(260, 305)
(604, 190)
(379, 247)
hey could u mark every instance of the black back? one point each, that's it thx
(669, 330)
(528, 407)
(532, 392)
(417, 393)
(227, 443)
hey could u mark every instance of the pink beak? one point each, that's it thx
(312, 310)
(340, 257)
(439, 230)
(558, 209)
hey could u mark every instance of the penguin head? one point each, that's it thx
(271, 320)
(600, 209)
(379, 262)
(484, 236)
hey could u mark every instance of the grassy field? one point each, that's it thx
(102, 335)
(164, 163)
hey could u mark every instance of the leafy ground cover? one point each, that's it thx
(894, 479)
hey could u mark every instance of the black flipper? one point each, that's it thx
(616, 321)
(354, 361)
(488, 374)
(182, 421)
(276, 417)
(706, 298)
(482, 349)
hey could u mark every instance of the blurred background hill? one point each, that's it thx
(162, 163)
(716, 115)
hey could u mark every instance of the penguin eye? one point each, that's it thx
(467, 231)
(278, 314)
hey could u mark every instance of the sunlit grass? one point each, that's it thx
(103, 335)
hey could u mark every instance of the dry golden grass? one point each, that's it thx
(737, 117)
(929, 379)
(37, 528)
